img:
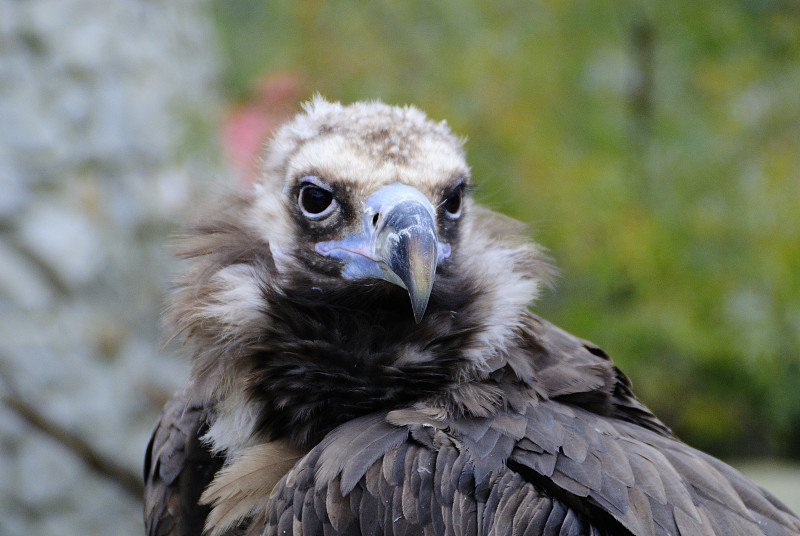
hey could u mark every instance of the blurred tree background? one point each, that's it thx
(654, 148)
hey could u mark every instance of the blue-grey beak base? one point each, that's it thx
(398, 243)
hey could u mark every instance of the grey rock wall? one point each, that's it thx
(107, 115)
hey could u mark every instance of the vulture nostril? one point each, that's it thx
(375, 219)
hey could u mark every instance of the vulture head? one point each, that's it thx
(358, 275)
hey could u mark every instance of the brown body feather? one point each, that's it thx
(334, 412)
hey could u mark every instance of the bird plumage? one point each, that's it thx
(363, 361)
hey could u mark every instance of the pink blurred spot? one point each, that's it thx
(249, 124)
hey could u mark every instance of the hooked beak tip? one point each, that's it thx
(419, 303)
(414, 262)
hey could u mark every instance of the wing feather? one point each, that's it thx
(415, 488)
(177, 468)
(630, 481)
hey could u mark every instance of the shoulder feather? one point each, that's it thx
(177, 467)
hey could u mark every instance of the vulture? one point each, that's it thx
(363, 361)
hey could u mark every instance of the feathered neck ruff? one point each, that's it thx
(283, 352)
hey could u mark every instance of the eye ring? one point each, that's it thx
(315, 200)
(453, 202)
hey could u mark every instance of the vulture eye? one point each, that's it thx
(452, 203)
(315, 201)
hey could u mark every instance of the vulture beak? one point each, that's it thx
(398, 243)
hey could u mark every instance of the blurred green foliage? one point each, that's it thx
(653, 147)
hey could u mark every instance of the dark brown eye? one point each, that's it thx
(315, 201)
(452, 203)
